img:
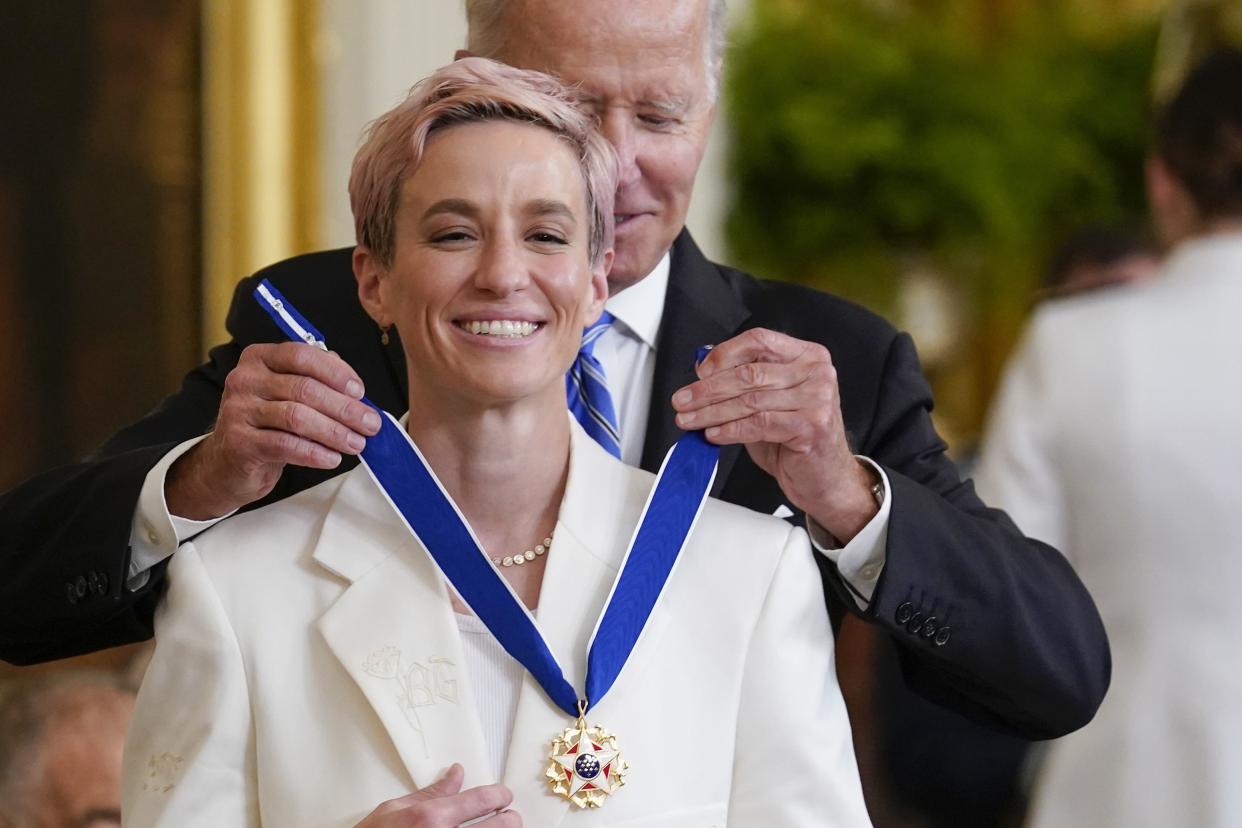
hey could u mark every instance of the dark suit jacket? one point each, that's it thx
(987, 622)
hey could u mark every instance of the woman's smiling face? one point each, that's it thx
(491, 283)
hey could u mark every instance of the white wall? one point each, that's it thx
(372, 51)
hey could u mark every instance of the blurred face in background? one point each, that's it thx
(75, 770)
(642, 66)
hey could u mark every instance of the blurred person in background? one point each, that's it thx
(822, 408)
(1116, 437)
(981, 782)
(1097, 257)
(61, 739)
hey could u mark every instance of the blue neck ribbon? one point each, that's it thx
(414, 492)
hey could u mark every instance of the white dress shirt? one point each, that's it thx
(627, 352)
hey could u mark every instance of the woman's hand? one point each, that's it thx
(444, 804)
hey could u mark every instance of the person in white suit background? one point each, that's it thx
(313, 662)
(1117, 437)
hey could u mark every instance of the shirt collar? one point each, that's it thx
(640, 307)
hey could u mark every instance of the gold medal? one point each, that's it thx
(586, 767)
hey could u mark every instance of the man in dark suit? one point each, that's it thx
(821, 406)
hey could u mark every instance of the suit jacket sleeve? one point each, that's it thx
(791, 716)
(988, 622)
(64, 535)
(189, 754)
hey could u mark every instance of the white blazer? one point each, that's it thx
(1117, 437)
(308, 667)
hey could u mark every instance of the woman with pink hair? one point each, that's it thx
(493, 618)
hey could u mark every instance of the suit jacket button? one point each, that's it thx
(71, 593)
(929, 627)
(103, 583)
(98, 583)
(942, 637)
(80, 586)
(904, 611)
(912, 626)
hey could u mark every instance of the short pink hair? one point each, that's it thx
(466, 91)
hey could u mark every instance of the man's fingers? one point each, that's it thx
(788, 428)
(504, 819)
(308, 422)
(755, 345)
(259, 383)
(323, 397)
(737, 381)
(742, 406)
(269, 446)
(303, 360)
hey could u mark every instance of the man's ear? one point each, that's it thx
(370, 273)
(463, 53)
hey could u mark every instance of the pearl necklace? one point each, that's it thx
(529, 555)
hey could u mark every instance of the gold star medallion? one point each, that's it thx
(586, 767)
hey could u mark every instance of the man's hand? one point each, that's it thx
(286, 403)
(444, 804)
(778, 396)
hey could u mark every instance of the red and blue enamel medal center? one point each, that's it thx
(586, 767)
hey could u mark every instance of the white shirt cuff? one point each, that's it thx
(155, 534)
(861, 561)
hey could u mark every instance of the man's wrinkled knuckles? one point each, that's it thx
(307, 390)
(769, 342)
(508, 819)
(240, 380)
(350, 410)
(284, 447)
(753, 375)
(338, 436)
(822, 373)
(776, 427)
(289, 416)
(816, 351)
(819, 398)
(257, 352)
(286, 358)
(752, 402)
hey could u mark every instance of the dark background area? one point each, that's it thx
(100, 241)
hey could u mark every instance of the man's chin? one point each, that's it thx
(631, 266)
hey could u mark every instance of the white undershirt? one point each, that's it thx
(496, 681)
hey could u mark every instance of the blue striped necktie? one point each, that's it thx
(587, 390)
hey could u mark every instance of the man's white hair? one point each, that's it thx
(485, 35)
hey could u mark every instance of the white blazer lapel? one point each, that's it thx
(394, 632)
(598, 514)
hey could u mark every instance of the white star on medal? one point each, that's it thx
(586, 766)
